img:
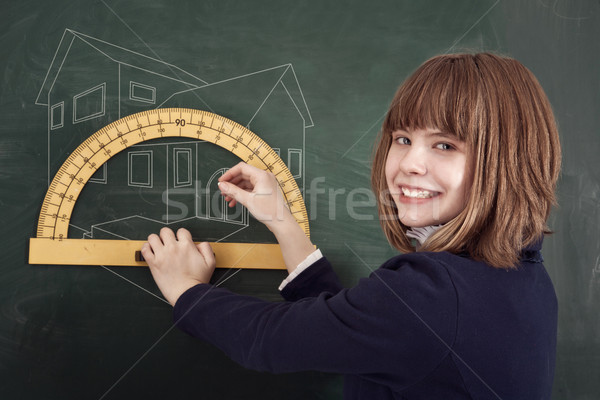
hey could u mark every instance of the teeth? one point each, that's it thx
(419, 194)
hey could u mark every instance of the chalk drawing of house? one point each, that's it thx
(91, 83)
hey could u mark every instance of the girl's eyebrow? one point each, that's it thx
(433, 133)
(443, 134)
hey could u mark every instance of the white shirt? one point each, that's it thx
(308, 261)
(421, 234)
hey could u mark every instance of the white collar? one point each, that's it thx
(422, 233)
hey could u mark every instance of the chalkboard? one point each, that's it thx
(314, 80)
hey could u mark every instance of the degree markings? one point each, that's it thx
(122, 140)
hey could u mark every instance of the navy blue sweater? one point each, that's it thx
(422, 326)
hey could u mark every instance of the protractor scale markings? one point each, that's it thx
(83, 162)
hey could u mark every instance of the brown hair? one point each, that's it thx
(499, 109)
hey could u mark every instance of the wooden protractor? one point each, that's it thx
(53, 247)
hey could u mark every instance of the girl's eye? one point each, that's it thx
(444, 146)
(403, 140)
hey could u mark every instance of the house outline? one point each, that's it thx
(127, 63)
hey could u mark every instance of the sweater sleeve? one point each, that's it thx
(316, 279)
(308, 261)
(400, 322)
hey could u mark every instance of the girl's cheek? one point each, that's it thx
(389, 169)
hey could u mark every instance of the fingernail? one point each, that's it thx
(223, 186)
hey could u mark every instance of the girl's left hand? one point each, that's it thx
(177, 263)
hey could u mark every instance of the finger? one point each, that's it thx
(155, 242)
(236, 180)
(236, 194)
(242, 170)
(246, 185)
(230, 202)
(246, 181)
(243, 184)
(147, 253)
(183, 235)
(208, 253)
(167, 235)
(232, 172)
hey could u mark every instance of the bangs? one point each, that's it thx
(497, 107)
(442, 94)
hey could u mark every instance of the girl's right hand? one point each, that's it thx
(258, 191)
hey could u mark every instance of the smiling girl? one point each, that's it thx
(426, 174)
(464, 171)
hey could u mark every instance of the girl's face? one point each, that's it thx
(428, 176)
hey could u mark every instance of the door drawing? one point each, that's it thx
(216, 207)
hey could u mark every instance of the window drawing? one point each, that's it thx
(142, 93)
(89, 104)
(295, 162)
(182, 167)
(140, 172)
(57, 115)
(100, 176)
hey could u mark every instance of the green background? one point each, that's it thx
(94, 332)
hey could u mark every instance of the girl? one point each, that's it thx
(466, 166)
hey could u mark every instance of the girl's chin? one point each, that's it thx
(420, 222)
(419, 225)
(418, 217)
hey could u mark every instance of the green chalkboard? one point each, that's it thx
(311, 78)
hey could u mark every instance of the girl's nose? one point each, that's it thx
(413, 162)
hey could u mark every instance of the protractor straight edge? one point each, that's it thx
(53, 247)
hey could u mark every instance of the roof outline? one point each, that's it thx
(105, 48)
(64, 49)
(308, 121)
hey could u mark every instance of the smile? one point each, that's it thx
(418, 193)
